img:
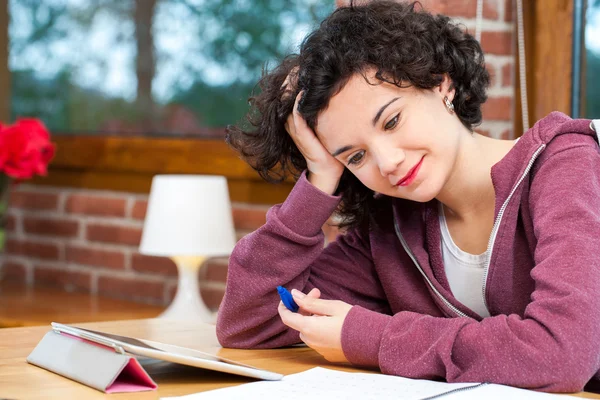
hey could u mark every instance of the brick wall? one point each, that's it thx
(87, 240)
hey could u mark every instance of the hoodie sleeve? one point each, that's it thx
(555, 346)
(288, 251)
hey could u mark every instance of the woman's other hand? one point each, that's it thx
(319, 323)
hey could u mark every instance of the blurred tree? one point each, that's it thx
(239, 38)
(147, 66)
(144, 61)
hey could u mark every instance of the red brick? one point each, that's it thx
(114, 234)
(51, 227)
(13, 272)
(461, 8)
(493, 75)
(153, 265)
(507, 77)
(497, 109)
(46, 251)
(212, 297)
(509, 11)
(435, 6)
(131, 288)
(139, 209)
(497, 42)
(95, 257)
(33, 200)
(490, 9)
(62, 278)
(11, 223)
(248, 218)
(214, 270)
(95, 205)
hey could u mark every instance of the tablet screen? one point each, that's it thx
(182, 351)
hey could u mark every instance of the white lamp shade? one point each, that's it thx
(188, 215)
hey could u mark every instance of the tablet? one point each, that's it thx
(166, 352)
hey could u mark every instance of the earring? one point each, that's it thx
(449, 105)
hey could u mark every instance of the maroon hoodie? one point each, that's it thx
(541, 284)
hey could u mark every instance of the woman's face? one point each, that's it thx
(400, 142)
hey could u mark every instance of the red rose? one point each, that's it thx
(25, 149)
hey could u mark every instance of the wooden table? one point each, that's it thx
(32, 306)
(19, 380)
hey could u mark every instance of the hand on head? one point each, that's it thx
(324, 170)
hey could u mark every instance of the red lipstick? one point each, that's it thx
(411, 175)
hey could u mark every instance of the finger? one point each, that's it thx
(294, 320)
(303, 136)
(289, 126)
(297, 101)
(281, 307)
(299, 121)
(316, 305)
(314, 293)
(306, 340)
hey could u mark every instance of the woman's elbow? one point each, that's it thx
(227, 338)
(566, 384)
(570, 375)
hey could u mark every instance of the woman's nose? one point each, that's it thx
(389, 159)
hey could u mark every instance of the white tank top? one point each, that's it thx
(464, 271)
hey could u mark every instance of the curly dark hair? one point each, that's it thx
(404, 44)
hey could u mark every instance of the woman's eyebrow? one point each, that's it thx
(382, 109)
(341, 150)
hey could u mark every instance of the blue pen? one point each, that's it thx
(287, 299)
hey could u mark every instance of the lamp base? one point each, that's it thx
(187, 304)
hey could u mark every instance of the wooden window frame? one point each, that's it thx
(548, 44)
(128, 163)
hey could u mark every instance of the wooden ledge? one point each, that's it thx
(23, 306)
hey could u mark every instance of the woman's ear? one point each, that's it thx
(446, 87)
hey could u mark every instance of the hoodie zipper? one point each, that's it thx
(499, 219)
(490, 243)
(412, 256)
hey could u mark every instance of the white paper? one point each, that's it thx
(322, 383)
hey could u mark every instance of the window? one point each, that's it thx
(158, 67)
(128, 87)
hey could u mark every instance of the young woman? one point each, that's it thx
(465, 258)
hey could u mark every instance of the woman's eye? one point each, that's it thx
(357, 158)
(392, 123)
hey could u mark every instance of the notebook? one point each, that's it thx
(323, 383)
